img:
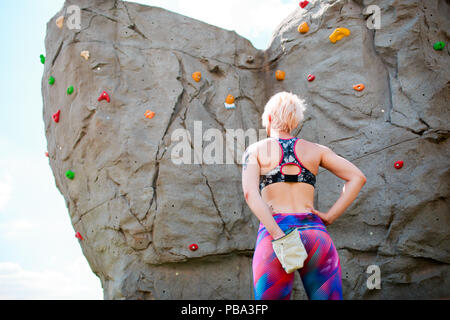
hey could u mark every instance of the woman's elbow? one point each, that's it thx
(362, 178)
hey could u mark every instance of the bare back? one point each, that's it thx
(288, 197)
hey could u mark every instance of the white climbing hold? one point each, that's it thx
(85, 54)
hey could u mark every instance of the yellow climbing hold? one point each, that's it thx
(197, 76)
(338, 34)
(60, 22)
(303, 28)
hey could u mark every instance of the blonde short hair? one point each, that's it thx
(285, 110)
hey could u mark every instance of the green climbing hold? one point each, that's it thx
(42, 59)
(70, 90)
(51, 80)
(440, 45)
(70, 175)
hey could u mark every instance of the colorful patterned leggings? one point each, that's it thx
(321, 272)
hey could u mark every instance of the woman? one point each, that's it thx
(284, 169)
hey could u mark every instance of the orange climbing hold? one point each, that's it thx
(338, 34)
(359, 87)
(60, 22)
(78, 236)
(149, 114)
(197, 76)
(280, 75)
(303, 28)
(229, 99)
(229, 102)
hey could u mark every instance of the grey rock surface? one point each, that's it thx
(138, 211)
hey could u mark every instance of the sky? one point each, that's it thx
(40, 258)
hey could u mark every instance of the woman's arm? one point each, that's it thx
(250, 186)
(347, 171)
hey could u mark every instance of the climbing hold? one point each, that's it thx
(70, 90)
(303, 28)
(78, 236)
(280, 75)
(85, 54)
(104, 96)
(70, 174)
(359, 87)
(440, 45)
(338, 34)
(46, 154)
(303, 4)
(311, 77)
(42, 59)
(197, 76)
(55, 116)
(51, 80)
(149, 114)
(229, 102)
(60, 22)
(398, 164)
(193, 247)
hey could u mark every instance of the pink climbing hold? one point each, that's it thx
(311, 77)
(56, 116)
(104, 96)
(193, 247)
(398, 164)
(303, 4)
(78, 236)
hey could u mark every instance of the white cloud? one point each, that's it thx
(16, 228)
(5, 190)
(75, 281)
(252, 19)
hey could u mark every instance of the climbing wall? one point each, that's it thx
(117, 89)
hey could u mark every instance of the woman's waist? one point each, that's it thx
(300, 220)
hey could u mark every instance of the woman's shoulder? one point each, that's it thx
(260, 143)
(313, 144)
(314, 147)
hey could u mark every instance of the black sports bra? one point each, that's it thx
(288, 157)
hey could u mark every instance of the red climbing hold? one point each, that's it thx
(303, 4)
(46, 154)
(398, 164)
(78, 236)
(311, 77)
(56, 116)
(193, 247)
(104, 96)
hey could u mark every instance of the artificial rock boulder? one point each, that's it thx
(138, 211)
